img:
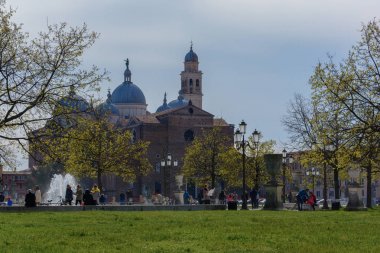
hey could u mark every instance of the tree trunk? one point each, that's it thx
(325, 204)
(99, 177)
(213, 172)
(336, 183)
(369, 185)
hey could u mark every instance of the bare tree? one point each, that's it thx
(37, 72)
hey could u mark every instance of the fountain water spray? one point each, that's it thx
(57, 188)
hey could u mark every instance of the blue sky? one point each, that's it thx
(254, 54)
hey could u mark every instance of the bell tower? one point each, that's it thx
(191, 79)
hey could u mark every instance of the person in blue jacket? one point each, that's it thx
(302, 197)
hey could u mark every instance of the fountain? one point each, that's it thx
(57, 188)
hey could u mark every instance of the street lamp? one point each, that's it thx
(166, 164)
(313, 172)
(285, 160)
(256, 141)
(241, 143)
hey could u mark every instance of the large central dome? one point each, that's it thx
(128, 93)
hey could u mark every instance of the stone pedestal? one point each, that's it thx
(273, 197)
(178, 195)
(354, 202)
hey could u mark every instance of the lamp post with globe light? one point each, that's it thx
(286, 159)
(241, 144)
(256, 142)
(313, 173)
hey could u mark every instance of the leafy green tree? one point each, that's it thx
(203, 162)
(93, 146)
(37, 72)
(256, 174)
(343, 116)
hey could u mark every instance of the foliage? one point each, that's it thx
(232, 164)
(202, 160)
(343, 115)
(93, 146)
(194, 231)
(37, 72)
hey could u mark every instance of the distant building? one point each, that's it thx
(303, 177)
(169, 130)
(15, 184)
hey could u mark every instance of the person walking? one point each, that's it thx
(302, 197)
(87, 198)
(79, 195)
(95, 191)
(253, 196)
(68, 195)
(312, 200)
(222, 197)
(37, 193)
(186, 198)
(30, 199)
(2, 198)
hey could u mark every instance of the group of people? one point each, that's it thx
(92, 197)
(5, 201)
(306, 196)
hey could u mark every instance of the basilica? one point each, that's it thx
(169, 130)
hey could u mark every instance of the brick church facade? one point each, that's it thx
(169, 130)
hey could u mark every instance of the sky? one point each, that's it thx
(254, 54)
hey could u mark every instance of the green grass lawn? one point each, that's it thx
(191, 231)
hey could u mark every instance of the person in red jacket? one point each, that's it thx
(312, 200)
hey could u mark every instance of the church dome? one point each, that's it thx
(74, 102)
(128, 92)
(178, 102)
(108, 107)
(191, 56)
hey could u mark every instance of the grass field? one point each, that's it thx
(192, 231)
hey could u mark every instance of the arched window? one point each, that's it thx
(197, 83)
(189, 135)
(191, 83)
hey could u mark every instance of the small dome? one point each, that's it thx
(74, 102)
(191, 56)
(127, 92)
(178, 102)
(164, 106)
(108, 107)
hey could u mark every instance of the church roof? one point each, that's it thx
(220, 122)
(148, 119)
